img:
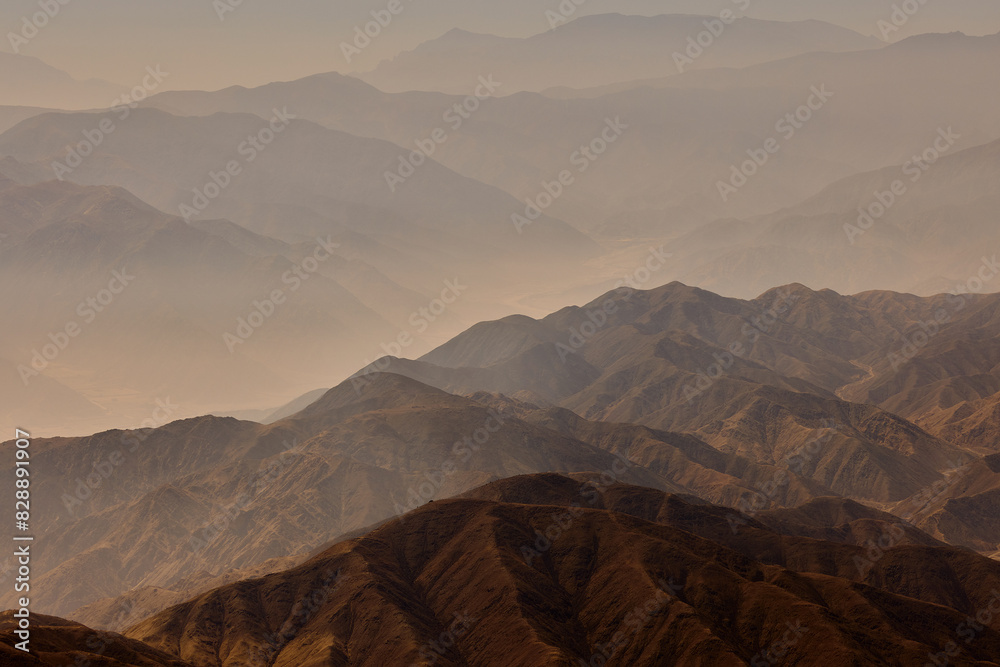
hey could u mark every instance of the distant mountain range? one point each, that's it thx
(308, 180)
(685, 135)
(643, 47)
(876, 228)
(29, 82)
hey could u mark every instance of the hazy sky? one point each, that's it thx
(267, 40)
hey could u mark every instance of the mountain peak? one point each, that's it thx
(796, 290)
(375, 391)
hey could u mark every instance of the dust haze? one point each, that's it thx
(277, 275)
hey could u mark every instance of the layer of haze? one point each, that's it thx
(647, 211)
(262, 41)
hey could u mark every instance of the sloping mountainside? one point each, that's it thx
(684, 460)
(962, 509)
(943, 372)
(175, 506)
(763, 379)
(355, 457)
(57, 642)
(115, 614)
(549, 571)
(843, 521)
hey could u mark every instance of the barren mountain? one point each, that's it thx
(759, 378)
(664, 581)
(963, 509)
(149, 517)
(716, 476)
(158, 508)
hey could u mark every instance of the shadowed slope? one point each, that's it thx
(58, 643)
(454, 574)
